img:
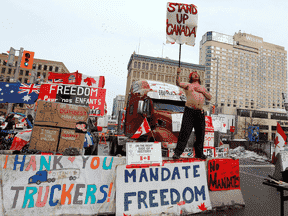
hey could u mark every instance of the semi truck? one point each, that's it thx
(162, 104)
(53, 175)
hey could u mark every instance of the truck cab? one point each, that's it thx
(162, 104)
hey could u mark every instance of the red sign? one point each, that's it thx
(49, 92)
(223, 174)
(232, 129)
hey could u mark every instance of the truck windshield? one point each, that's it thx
(173, 106)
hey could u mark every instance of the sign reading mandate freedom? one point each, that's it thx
(172, 188)
(181, 23)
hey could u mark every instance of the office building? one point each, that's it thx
(41, 66)
(252, 76)
(118, 105)
(158, 69)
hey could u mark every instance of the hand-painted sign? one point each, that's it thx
(181, 23)
(78, 95)
(141, 153)
(220, 123)
(223, 174)
(172, 188)
(35, 185)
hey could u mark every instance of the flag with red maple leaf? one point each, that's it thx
(279, 142)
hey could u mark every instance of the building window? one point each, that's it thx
(143, 65)
(147, 66)
(45, 67)
(50, 68)
(26, 73)
(34, 66)
(56, 69)
(135, 64)
(20, 79)
(25, 80)
(38, 74)
(155, 67)
(44, 75)
(139, 65)
(9, 71)
(151, 67)
(21, 72)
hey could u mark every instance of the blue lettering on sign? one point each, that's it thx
(152, 174)
(104, 192)
(18, 162)
(127, 201)
(173, 190)
(162, 197)
(184, 195)
(162, 174)
(195, 167)
(186, 170)
(201, 192)
(143, 175)
(142, 199)
(51, 203)
(175, 172)
(151, 198)
(132, 174)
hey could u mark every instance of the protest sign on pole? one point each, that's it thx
(178, 188)
(181, 24)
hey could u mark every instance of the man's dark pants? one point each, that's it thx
(192, 118)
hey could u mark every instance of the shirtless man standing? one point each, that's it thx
(193, 115)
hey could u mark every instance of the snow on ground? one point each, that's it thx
(240, 152)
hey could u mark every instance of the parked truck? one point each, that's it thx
(162, 105)
(51, 176)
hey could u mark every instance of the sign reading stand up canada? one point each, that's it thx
(181, 23)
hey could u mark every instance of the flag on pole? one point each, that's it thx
(279, 142)
(143, 129)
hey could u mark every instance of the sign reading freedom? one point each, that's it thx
(78, 95)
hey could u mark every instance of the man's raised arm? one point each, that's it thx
(185, 86)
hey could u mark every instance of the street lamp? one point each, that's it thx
(216, 105)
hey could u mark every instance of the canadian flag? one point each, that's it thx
(279, 142)
(21, 139)
(77, 78)
(143, 129)
(144, 158)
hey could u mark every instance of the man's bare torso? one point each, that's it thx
(194, 99)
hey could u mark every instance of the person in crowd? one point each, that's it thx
(30, 118)
(193, 116)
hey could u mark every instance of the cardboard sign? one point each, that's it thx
(60, 115)
(44, 138)
(141, 153)
(78, 95)
(223, 174)
(66, 186)
(69, 138)
(181, 23)
(166, 190)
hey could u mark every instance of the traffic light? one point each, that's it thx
(213, 109)
(11, 57)
(27, 60)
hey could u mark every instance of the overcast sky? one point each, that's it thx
(97, 37)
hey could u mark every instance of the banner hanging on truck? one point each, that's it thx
(176, 188)
(56, 185)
